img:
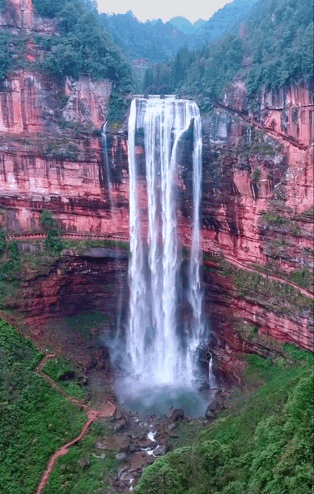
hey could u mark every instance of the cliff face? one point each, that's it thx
(50, 145)
(258, 218)
(32, 102)
(257, 211)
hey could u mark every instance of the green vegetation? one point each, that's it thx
(81, 245)
(2, 242)
(302, 277)
(262, 443)
(277, 46)
(53, 241)
(15, 265)
(152, 41)
(275, 219)
(277, 297)
(3, 4)
(10, 269)
(64, 374)
(34, 419)
(82, 47)
(46, 219)
(256, 175)
(156, 41)
(282, 224)
(68, 152)
(84, 321)
(80, 471)
(5, 57)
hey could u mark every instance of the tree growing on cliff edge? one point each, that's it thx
(2, 242)
(276, 49)
(53, 241)
(83, 47)
(4, 55)
(46, 220)
(3, 4)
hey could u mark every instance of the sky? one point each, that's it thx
(164, 9)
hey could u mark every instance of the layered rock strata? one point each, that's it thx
(257, 206)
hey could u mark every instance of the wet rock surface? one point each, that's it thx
(139, 442)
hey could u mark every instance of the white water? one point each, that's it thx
(153, 341)
(106, 162)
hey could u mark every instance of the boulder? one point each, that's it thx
(146, 443)
(210, 414)
(160, 450)
(150, 459)
(119, 426)
(121, 456)
(177, 414)
(124, 445)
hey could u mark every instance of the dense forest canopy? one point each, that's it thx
(84, 47)
(225, 20)
(155, 41)
(267, 448)
(185, 25)
(81, 47)
(158, 41)
(273, 48)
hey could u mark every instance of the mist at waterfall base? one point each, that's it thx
(162, 345)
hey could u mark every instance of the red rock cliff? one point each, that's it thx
(258, 183)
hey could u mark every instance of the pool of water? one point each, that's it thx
(157, 400)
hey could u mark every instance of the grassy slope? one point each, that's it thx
(262, 444)
(79, 472)
(34, 419)
(58, 368)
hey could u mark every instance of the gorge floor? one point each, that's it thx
(111, 454)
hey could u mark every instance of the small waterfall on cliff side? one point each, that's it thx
(163, 349)
(106, 162)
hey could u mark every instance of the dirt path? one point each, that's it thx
(240, 265)
(107, 411)
(78, 236)
(251, 120)
(73, 236)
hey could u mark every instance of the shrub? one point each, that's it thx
(14, 250)
(261, 445)
(53, 241)
(3, 4)
(2, 242)
(5, 57)
(35, 420)
(46, 219)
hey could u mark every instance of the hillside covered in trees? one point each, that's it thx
(273, 47)
(157, 41)
(82, 45)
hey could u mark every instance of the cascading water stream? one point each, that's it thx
(154, 335)
(106, 162)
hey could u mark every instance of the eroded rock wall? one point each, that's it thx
(257, 209)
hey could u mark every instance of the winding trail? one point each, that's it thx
(108, 410)
(121, 238)
(251, 120)
(283, 281)
(73, 236)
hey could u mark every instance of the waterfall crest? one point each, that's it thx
(162, 349)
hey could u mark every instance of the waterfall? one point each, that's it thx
(161, 348)
(106, 162)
